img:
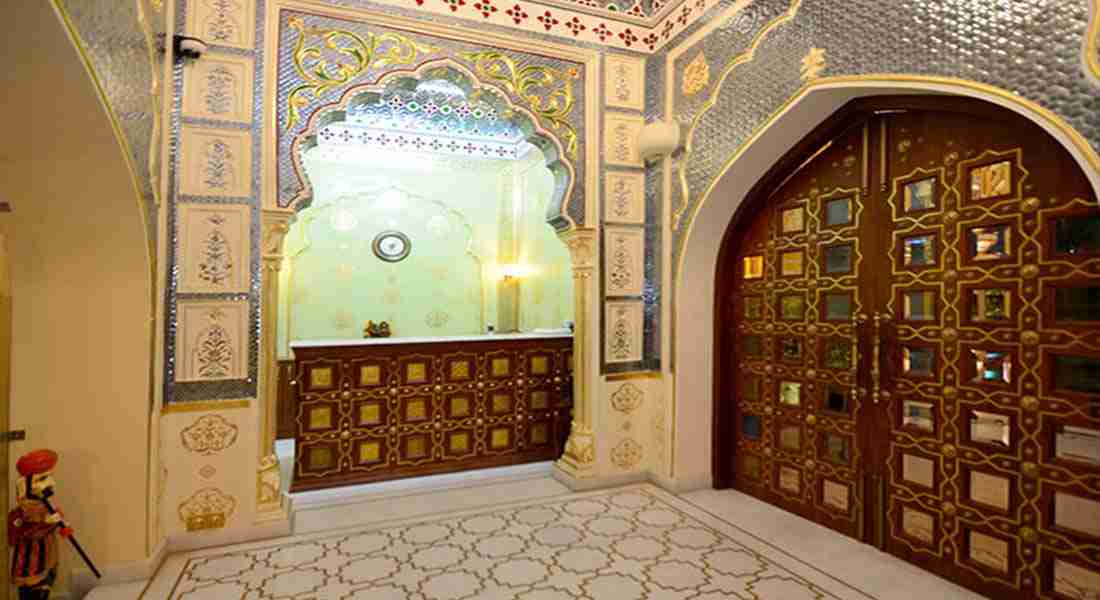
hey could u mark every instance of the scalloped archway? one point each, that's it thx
(452, 71)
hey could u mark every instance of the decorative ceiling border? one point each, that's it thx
(579, 21)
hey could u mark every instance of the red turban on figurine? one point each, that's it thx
(35, 462)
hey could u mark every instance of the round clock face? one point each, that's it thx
(392, 246)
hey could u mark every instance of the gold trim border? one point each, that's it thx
(1092, 42)
(205, 406)
(612, 377)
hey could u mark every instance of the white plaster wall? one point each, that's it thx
(81, 350)
(81, 292)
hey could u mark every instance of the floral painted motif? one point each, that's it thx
(622, 83)
(218, 165)
(622, 274)
(208, 508)
(621, 198)
(220, 26)
(216, 260)
(627, 399)
(209, 434)
(627, 454)
(622, 335)
(219, 90)
(214, 349)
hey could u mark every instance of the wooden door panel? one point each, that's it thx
(792, 344)
(969, 372)
(910, 344)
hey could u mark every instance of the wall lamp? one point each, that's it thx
(512, 272)
(184, 47)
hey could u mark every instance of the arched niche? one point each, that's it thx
(693, 312)
(580, 242)
(454, 73)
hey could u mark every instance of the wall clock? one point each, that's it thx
(391, 246)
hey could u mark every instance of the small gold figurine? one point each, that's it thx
(373, 330)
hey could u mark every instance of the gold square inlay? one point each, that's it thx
(320, 377)
(540, 400)
(501, 366)
(835, 495)
(500, 438)
(416, 410)
(917, 525)
(989, 551)
(370, 375)
(320, 417)
(502, 403)
(460, 442)
(792, 220)
(320, 458)
(416, 447)
(416, 372)
(790, 479)
(752, 267)
(991, 180)
(370, 414)
(460, 369)
(791, 263)
(539, 365)
(460, 406)
(539, 433)
(370, 452)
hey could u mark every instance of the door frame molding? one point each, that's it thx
(693, 312)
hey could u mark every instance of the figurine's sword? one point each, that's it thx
(72, 538)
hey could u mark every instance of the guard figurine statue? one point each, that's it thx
(33, 527)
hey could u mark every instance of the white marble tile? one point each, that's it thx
(876, 573)
(631, 542)
(118, 591)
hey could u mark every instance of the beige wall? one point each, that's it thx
(81, 297)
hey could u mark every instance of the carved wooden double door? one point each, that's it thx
(909, 344)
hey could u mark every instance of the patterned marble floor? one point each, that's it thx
(624, 544)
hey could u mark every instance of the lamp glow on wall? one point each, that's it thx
(510, 272)
(510, 275)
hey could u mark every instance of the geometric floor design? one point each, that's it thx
(631, 543)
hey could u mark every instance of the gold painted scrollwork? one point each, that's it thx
(321, 72)
(696, 75)
(209, 434)
(548, 91)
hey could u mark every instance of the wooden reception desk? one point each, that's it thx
(385, 408)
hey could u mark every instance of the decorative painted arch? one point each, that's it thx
(694, 280)
(449, 70)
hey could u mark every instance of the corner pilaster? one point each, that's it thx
(579, 459)
(269, 499)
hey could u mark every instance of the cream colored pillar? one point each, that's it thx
(579, 459)
(269, 499)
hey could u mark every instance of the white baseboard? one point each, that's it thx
(82, 580)
(596, 483)
(681, 486)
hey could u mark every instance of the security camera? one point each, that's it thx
(189, 47)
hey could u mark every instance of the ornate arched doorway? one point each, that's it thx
(908, 343)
